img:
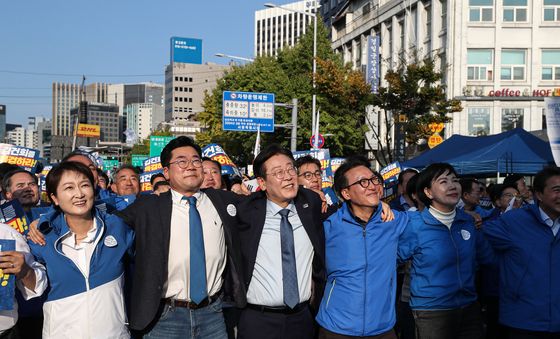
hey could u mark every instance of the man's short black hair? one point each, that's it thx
(539, 183)
(155, 176)
(410, 188)
(7, 179)
(512, 179)
(79, 152)
(340, 181)
(160, 183)
(182, 141)
(102, 174)
(267, 153)
(217, 163)
(123, 167)
(428, 175)
(307, 160)
(403, 172)
(467, 184)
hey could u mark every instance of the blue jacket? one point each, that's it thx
(359, 298)
(529, 269)
(444, 260)
(79, 306)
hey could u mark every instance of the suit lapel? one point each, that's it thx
(165, 207)
(258, 218)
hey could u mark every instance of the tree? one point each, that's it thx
(415, 91)
(342, 95)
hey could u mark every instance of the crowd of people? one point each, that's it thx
(204, 257)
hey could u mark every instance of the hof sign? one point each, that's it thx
(244, 111)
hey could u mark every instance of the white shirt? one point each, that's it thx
(553, 224)
(80, 254)
(178, 276)
(266, 287)
(9, 318)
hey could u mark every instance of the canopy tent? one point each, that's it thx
(515, 151)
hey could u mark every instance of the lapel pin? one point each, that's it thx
(305, 205)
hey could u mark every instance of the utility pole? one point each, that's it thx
(82, 106)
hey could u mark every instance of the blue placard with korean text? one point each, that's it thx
(245, 111)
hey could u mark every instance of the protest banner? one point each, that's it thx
(145, 185)
(27, 158)
(7, 281)
(552, 105)
(323, 155)
(152, 164)
(11, 213)
(390, 174)
(216, 152)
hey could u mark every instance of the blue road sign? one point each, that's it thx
(244, 111)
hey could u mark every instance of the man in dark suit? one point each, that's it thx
(187, 253)
(403, 202)
(282, 245)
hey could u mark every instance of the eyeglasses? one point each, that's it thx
(183, 163)
(365, 182)
(510, 195)
(309, 175)
(281, 174)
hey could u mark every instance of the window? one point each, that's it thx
(515, 10)
(481, 10)
(551, 10)
(479, 64)
(513, 64)
(511, 118)
(479, 121)
(550, 64)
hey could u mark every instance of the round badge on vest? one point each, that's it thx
(465, 234)
(110, 241)
(231, 210)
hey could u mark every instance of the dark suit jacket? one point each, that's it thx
(150, 216)
(252, 214)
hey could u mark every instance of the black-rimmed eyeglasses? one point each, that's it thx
(366, 182)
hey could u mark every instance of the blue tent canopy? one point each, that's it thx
(515, 151)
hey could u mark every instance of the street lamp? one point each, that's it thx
(314, 102)
(222, 55)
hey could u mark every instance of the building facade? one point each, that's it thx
(67, 96)
(499, 57)
(102, 114)
(185, 85)
(143, 118)
(277, 27)
(2, 122)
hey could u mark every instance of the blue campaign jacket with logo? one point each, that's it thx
(444, 261)
(83, 307)
(529, 269)
(359, 298)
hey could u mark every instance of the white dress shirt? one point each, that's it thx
(80, 254)
(553, 224)
(178, 276)
(9, 318)
(266, 287)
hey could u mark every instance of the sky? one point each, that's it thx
(112, 41)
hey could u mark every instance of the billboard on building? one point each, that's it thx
(372, 76)
(186, 50)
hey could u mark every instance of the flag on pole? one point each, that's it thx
(258, 141)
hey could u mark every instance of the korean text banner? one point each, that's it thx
(11, 213)
(7, 281)
(552, 105)
(152, 164)
(323, 155)
(26, 158)
(145, 185)
(216, 152)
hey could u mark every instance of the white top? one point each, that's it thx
(266, 287)
(553, 224)
(80, 254)
(445, 218)
(177, 285)
(9, 318)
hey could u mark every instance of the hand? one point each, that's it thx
(386, 212)
(35, 235)
(13, 262)
(477, 218)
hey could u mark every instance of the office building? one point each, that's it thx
(67, 96)
(102, 114)
(276, 28)
(2, 122)
(185, 85)
(143, 118)
(501, 58)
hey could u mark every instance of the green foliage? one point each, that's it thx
(342, 95)
(415, 91)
